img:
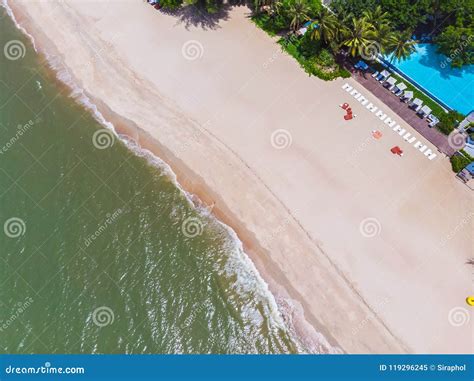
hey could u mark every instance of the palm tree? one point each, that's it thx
(383, 34)
(326, 27)
(357, 36)
(298, 12)
(401, 46)
(376, 17)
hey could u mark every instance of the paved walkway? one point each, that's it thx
(408, 115)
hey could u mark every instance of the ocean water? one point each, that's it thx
(101, 252)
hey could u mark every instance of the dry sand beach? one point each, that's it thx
(369, 247)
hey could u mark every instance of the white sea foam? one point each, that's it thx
(280, 313)
(12, 16)
(249, 279)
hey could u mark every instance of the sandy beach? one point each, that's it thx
(364, 251)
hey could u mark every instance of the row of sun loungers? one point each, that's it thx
(406, 96)
(407, 136)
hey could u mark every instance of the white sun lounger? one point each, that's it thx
(416, 104)
(364, 102)
(390, 83)
(418, 144)
(369, 106)
(432, 156)
(362, 99)
(380, 114)
(383, 76)
(397, 128)
(422, 149)
(402, 131)
(354, 92)
(358, 96)
(399, 88)
(390, 122)
(406, 136)
(349, 88)
(372, 108)
(412, 139)
(345, 86)
(428, 152)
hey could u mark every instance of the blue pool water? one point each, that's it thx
(433, 72)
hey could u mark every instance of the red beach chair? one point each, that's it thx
(396, 151)
(376, 134)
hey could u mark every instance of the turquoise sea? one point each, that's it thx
(101, 252)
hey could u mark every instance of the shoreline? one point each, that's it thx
(196, 192)
(269, 268)
(202, 196)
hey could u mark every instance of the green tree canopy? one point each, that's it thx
(457, 44)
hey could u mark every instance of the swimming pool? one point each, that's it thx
(432, 72)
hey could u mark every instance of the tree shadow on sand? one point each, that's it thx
(196, 16)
